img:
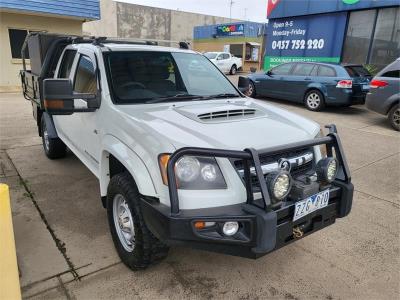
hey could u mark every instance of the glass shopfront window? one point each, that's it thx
(358, 37)
(386, 43)
(373, 37)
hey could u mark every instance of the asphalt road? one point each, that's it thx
(65, 251)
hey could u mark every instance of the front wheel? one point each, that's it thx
(233, 70)
(251, 90)
(394, 117)
(53, 147)
(314, 100)
(136, 245)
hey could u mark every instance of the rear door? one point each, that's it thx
(327, 78)
(299, 80)
(226, 62)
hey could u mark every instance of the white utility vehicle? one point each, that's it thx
(225, 61)
(182, 156)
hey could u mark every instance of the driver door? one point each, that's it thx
(80, 129)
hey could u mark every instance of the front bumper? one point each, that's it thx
(263, 226)
(260, 232)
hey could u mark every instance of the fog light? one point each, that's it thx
(279, 185)
(230, 228)
(327, 169)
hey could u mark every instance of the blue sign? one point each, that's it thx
(230, 30)
(309, 38)
(290, 8)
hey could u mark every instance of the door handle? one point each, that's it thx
(308, 79)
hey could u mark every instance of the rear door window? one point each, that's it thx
(66, 64)
(283, 69)
(325, 71)
(225, 56)
(392, 74)
(303, 69)
(85, 77)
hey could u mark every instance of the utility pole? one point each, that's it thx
(230, 9)
(245, 14)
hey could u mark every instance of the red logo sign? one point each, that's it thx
(271, 5)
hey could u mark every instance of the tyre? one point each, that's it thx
(233, 70)
(314, 100)
(394, 117)
(136, 245)
(251, 91)
(53, 147)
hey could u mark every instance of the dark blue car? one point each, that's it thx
(314, 84)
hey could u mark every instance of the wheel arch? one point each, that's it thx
(393, 101)
(116, 157)
(316, 87)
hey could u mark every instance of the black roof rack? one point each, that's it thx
(101, 40)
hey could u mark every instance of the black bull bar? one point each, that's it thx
(251, 157)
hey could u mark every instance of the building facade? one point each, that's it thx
(242, 39)
(125, 20)
(18, 18)
(348, 31)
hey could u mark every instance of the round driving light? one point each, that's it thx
(327, 169)
(187, 168)
(209, 173)
(280, 185)
(230, 228)
(332, 170)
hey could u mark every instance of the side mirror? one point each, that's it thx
(269, 73)
(243, 84)
(58, 98)
(219, 58)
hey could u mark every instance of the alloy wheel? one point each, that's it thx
(313, 100)
(396, 117)
(250, 90)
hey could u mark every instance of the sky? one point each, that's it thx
(250, 10)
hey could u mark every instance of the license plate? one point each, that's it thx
(365, 87)
(313, 203)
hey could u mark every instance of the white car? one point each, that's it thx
(225, 61)
(181, 155)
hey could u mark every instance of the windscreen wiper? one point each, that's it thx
(169, 98)
(222, 95)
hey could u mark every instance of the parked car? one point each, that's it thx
(314, 84)
(182, 157)
(225, 61)
(384, 96)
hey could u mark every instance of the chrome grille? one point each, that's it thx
(301, 162)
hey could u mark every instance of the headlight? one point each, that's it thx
(279, 185)
(187, 168)
(194, 173)
(327, 169)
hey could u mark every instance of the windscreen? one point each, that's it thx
(210, 55)
(145, 76)
(357, 71)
